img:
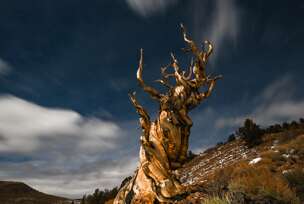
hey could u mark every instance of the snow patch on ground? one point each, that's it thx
(286, 155)
(256, 160)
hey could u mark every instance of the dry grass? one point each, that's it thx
(260, 181)
(273, 160)
(287, 155)
(219, 181)
(295, 179)
(265, 178)
(217, 200)
(265, 181)
(297, 144)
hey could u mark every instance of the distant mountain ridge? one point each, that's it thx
(20, 193)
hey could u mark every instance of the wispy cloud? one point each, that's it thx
(5, 68)
(215, 20)
(276, 103)
(149, 7)
(67, 153)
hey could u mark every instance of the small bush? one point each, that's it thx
(231, 138)
(219, 144)
(285, 126)
(99, 197)
(274, 128)
(191, 156)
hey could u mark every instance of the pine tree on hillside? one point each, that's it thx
(250, 132)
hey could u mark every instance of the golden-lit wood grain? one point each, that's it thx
(164, 142)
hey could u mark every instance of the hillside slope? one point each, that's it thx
(271, 172)
(20, 193)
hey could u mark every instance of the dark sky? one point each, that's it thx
(66, 67)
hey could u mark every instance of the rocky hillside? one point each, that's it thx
(20, 193)
(237, 172)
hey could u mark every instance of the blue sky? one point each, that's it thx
(66, 124)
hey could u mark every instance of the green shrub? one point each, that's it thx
(231, 138)
(99, 197)
(251, 132)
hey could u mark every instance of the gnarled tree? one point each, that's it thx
(164, 142)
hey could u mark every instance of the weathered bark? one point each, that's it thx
(164, 142)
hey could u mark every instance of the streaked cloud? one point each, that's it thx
(215, 20)
(65, 153)
(276, 103)
(22, 123)
(5, 68)
(68, 183)
(149, 7)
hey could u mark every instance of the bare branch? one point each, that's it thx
(175, 63)
(164, 82)
(150, 90)
(179, 77)
(201, 57)
(209, 50)
(211, 83)
(199, 66)
(192, 46)
(164, 74)
(190, 71)
(144, 117)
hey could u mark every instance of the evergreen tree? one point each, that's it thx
(251, 132)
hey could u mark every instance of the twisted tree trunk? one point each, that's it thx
(164, 142)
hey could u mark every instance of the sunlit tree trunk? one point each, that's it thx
(164, 142)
